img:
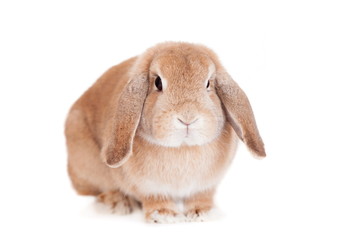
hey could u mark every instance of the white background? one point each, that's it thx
(298, 62)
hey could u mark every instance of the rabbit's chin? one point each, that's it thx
(178, 139)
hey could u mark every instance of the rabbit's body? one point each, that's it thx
(163, 140)
(161, 171)
(179, 173)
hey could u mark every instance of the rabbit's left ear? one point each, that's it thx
(118, 147)
(239, 113)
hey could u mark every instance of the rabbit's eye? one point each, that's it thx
(158, 83)
(208, 84)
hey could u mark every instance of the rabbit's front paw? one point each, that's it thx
(199, 214)
(164, 216)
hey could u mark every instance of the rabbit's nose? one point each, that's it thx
(187, 123)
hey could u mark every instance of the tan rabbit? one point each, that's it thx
(159, 129)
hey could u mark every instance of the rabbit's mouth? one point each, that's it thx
(184, 136)
(175, 130)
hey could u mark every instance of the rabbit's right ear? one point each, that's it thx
(239, 113)
(118, 147)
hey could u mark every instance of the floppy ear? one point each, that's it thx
(128, 110)
(239, 113)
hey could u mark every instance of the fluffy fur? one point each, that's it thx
(127, 141)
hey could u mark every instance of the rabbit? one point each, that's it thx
(157, 130)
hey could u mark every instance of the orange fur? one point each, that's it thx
(127, 139)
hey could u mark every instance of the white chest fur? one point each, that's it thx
(177, 172)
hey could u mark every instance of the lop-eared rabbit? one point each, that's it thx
(159, 129)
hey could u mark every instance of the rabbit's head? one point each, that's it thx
(182, 107)
(180, 95)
